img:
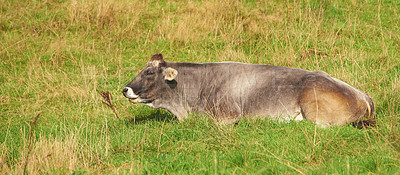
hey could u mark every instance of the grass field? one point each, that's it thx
(57, 54)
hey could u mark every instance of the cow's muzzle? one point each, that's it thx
(128, 93)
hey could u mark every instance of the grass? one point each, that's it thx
(56, 55)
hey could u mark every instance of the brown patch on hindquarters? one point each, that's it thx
(326, 103)
(325, 108)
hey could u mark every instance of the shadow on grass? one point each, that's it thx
(155, 115)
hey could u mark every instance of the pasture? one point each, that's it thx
(57, 56)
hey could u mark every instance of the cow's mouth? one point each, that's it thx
(140, 100)
(133, 100)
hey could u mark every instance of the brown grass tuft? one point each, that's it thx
(107, 97)
(311, 52)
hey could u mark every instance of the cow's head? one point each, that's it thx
(151, 82)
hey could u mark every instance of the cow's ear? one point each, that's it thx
(170, 73)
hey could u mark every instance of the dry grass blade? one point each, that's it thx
(313, 52)
(107, 100)
(30, 141)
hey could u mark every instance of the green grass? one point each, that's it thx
(56, 54)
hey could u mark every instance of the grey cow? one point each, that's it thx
(230, 90)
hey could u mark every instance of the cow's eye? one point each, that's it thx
(149, 72)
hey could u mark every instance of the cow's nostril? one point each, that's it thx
(125, 90)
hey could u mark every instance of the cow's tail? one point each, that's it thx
(369, 120)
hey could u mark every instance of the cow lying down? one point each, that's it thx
(229, 91)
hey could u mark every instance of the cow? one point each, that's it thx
(229, 91)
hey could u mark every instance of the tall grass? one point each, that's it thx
(56, 56)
